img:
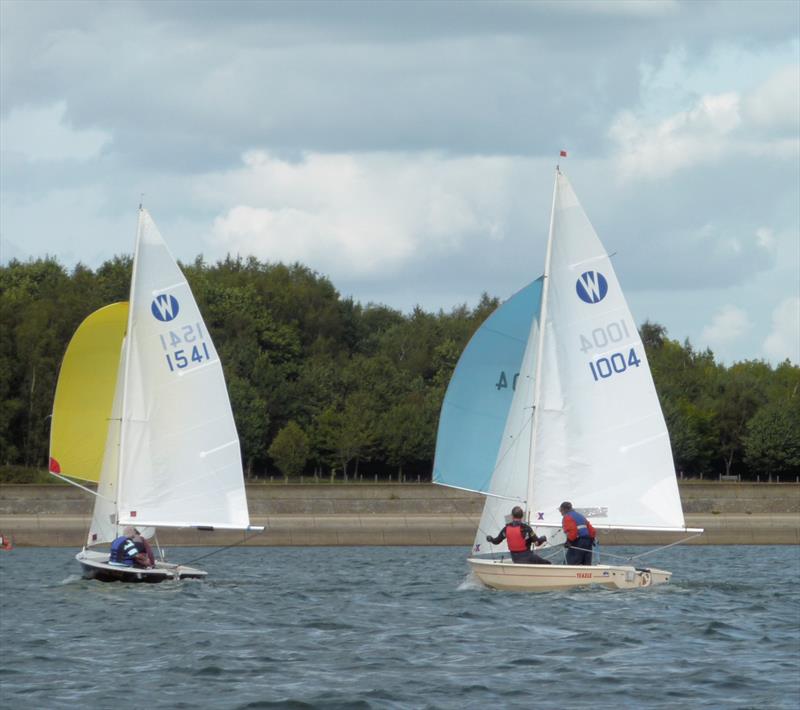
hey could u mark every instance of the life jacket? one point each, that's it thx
(516, 538)
(120, 551)
(585, 528)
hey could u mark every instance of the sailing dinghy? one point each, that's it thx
(141, 410)
(552, 400)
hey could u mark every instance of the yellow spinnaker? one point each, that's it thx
(85, 394)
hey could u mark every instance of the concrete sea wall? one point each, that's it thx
(400, 514)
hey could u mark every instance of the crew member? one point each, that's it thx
(124, 552)
(143, 547)
(520, 537)
(580, 535)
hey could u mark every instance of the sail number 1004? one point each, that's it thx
(603, 367)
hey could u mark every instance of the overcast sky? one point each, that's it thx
(406, 150)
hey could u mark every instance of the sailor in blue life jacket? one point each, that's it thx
(580, 535)
(124, 552)
(520, 537)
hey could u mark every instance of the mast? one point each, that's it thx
(540, 352)
(127, 355)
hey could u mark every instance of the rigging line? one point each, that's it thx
(67, 479)
(467, 515)
(664, 547)
(648, 552)
(222, 549)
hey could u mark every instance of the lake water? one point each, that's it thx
(398, 628)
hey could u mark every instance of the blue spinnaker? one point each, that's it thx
(479, 395)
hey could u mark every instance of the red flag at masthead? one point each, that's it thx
(563, 153)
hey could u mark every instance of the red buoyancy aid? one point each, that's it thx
(515, 538)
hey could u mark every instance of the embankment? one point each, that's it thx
(400, 514)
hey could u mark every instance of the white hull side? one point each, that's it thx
(508, 576)
(95, 566)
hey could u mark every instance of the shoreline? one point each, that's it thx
(400, 530)
(399, 514)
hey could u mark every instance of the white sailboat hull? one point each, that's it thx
(95, 565)
(508, 576)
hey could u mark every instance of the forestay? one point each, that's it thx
(180, 463)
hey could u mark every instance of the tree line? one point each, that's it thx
(320, 384)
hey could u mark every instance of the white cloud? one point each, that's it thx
(784, 338)
(765, 238)
(698, 135)
(40, 133)
(359, 214)
(677, 127)
(776, 103)
(729, 324)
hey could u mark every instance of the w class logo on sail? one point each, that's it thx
(165, 308)
(592, 287)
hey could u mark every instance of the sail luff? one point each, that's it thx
(539, 350)
(128, 343)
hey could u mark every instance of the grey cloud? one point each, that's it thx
(189, 86)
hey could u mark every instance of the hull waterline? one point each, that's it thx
(95, 566)
(507, 576)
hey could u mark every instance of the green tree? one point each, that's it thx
(407, 431)
(289, 450)
(772, 442)
(252, 421)
(741, 393)
(347, 434)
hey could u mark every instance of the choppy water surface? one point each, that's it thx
(398, 628)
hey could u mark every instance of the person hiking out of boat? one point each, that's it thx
(143, 546)
(580, 535)
(124, 552)
(520, 537)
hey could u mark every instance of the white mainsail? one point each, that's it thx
(600, 439)
(180, 463)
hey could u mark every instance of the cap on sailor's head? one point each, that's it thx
(566, 505)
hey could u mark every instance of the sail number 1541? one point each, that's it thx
(184, 347)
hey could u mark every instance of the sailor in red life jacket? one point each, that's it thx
(580, 535)
(520, 537)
